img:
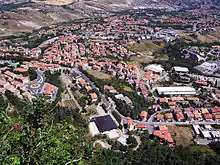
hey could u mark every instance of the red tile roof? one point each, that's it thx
(129, 121)
(197, 114)
(93, 96)
(144, 114)
(163, 135)
(48, 89)
(215, 110)
(21, 70)
(217, 116)
(82, 82)
(169, 115)
(172, 103)
(17, 83)
(177, 98)
(160, 116)
(8, 73)
(201, 82)
(163, 100)
(180, 116)
(163, 128)
(139, 125)
(207, 116)
(190, 98)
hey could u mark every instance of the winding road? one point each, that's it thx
(39, 81)
(149, 122)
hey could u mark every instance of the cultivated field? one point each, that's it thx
(181, 134)
(99, 75)
(69, 104)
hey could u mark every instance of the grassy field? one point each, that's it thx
(69, 104)
(206, 38)
(147, 46)
(148, 59)
(127, 89)
(99, 75)
(209, 38)
(65, 95)
(182, 135)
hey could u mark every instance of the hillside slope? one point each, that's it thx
(22, 15)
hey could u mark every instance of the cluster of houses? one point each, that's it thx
(10, 51)
(212, 25)
(186, 105)
(191, 17)
(14, 83)
(82, 83)
(178, 20)
(189, 115)
(103, 47)
(167, 35)
(65, 51)
(17, 80)
(94, 40)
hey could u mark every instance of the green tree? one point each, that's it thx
(131, 141)
(34, 137)
(32, 74)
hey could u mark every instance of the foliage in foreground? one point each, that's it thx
(34, 138)
(153, 153)
(39, 134)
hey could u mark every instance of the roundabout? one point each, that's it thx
(35, 85)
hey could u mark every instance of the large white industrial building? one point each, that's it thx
(179, 90)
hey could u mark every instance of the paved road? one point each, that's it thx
(111, 108)
(40, 81)
(138, 139)
(195, 27)
(180, 123)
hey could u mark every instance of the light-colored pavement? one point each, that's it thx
(100, 110)
(138, 139)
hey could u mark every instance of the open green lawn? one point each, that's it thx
(99, 75)
(146, 46)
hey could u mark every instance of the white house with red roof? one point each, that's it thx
(94, 97)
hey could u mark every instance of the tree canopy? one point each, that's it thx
(33, 137)
(41, 134)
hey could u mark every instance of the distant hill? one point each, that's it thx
(12, 1)
(21, 15)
